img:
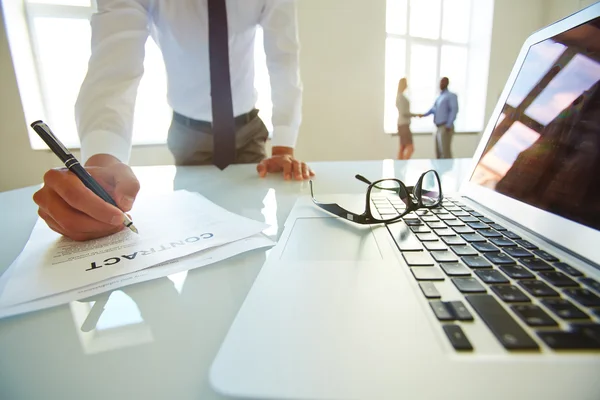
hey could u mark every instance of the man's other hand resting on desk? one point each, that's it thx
(71, 209)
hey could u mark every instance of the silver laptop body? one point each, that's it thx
(506, 305)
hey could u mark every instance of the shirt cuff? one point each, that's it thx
(284, 136)
(105, 142)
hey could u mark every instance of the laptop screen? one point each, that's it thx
(545, 147)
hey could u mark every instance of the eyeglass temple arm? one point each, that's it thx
(362, 179)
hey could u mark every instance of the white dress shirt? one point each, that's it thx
(105, 106)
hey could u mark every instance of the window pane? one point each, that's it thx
(83, 3)
(456, 20)
(425, 18)
(423, 84)
(62, 70)
(395, 65)
(396, 17)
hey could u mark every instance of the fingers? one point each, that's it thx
(126, 185)
(297, 170)
(287, 170)
(261, 168)
(306, 171)
(70, 189)
(65, 220)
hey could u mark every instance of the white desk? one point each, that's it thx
(156, 340)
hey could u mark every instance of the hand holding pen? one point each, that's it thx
(85, 203)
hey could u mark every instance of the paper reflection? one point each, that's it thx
(111, 321)
(156, 180)
(178, 280)
(269, 211)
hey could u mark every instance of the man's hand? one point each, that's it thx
(71, 209)
(283, 160)
(406, 151)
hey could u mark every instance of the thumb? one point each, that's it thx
(126, 186)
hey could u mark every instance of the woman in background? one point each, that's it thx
(403, 105)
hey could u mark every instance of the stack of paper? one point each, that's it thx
(177, 231)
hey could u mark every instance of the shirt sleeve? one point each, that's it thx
(452, 110)
(282, 50)
(431, 111)
(105, 106)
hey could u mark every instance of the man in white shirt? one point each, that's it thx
(406, 148)
(185, 35)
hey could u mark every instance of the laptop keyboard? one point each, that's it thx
(508, 281)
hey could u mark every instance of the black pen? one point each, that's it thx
(75, 167)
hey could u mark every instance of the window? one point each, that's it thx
(429, 39)
(50, 46)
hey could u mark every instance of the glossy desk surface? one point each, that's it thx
(157, 340)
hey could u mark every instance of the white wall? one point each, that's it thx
(342, 62)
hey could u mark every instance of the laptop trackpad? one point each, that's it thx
(330, 239)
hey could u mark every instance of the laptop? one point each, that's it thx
(492, 293)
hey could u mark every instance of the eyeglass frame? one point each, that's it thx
(367, 218)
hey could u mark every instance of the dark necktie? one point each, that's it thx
(223, 124)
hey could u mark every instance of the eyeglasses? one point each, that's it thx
(388, 200)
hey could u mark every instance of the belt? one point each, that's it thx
(442, 124)
(240, 120)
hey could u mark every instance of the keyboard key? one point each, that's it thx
(510, 294)
(404, 238)
(517, 272)
(491, 276)
(429, 290)
(454, 222)
(444, 256)
(440, 310)
(423, 237)
(528, 245)
(560, 340)
(485, 247)
(499, 258)
(533, 315)
(462, 214)
(457, 337)
(497, 227)
(446, 217)
(412, 221)
(438, 211)
(475, 214)
(472, 237)
(511, 235)
(430, 218)
(591, 283)
(558, 279)
(502, 242)
(419, 229)
(489, 233)
(566, 268)
(468, 285)
(436, 225)
(535, 264)
(459, 310)
(463, 250)
(418, 258)
(564, 309)
(590, 330)
(476, 262)
(538, 288)
(462, 229)
(477, 225)
(444, 232)
(583, 296)
(485, 219)
(544, 255)
(517, 252)
(428, 274)
(503, 326)
(453, 240)
(455, 269)
(437, 245)
(468, 219)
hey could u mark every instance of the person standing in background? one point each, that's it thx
(403, 105)
(444, 112)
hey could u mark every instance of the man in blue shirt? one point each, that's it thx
(444, 112)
